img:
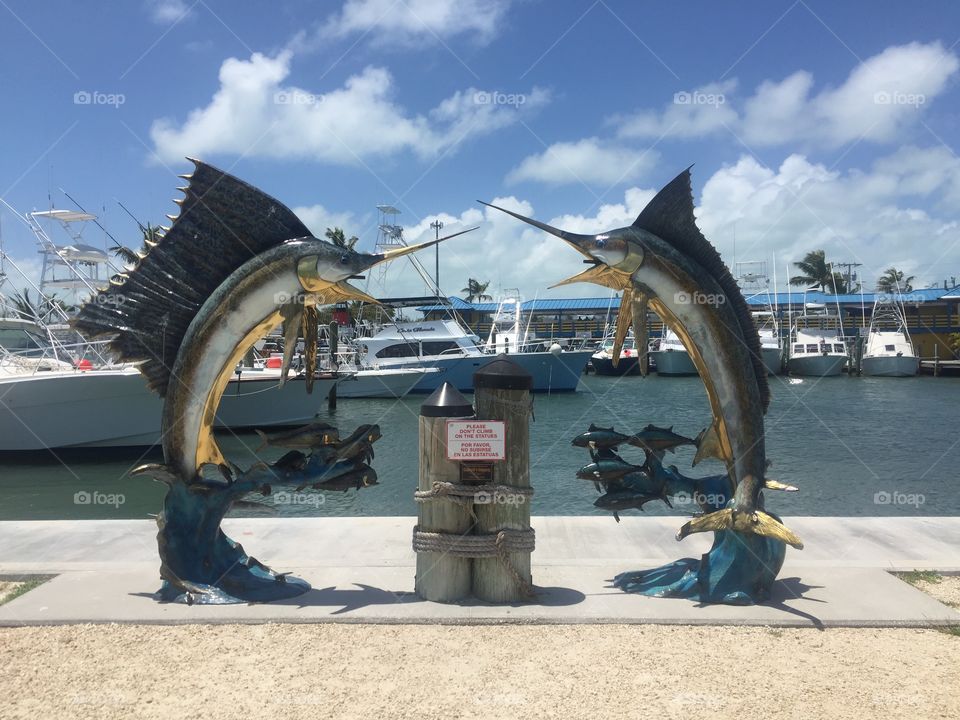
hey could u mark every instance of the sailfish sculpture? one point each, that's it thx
(663, 262)
(233, 265)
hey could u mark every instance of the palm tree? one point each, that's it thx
(338, 238)
(817, 272)
(476, 290)
(893, 280)
(39, 310)
(151, 236)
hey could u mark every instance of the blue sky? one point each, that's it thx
(810, 124)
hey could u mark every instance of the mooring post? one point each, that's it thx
(502, 392)
(442, 577)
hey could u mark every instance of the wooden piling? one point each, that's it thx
(441, 577)
(502, 392)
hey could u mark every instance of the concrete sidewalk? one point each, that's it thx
(362, 570)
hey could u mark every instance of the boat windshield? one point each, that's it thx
(14, 339)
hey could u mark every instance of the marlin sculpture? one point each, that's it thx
(662, 261)
(233, 265)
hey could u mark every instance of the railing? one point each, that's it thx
(60, 357)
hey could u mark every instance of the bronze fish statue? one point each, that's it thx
(662, 261)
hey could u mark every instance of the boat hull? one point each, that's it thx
(817, 365)
(109, 408)
(772, 360)
(890, 366)
(626, 366)
(674, 362)
(551, 372)
(394, 383)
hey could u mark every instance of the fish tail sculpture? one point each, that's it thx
(662, 261)
(233, 265)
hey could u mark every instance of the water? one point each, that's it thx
(854, 446)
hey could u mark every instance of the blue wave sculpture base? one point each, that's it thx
(739, 569)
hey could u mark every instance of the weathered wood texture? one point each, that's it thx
(440, 577)
(492, 581)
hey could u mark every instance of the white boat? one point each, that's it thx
(54, 396)
(770, 349)
(888, 351)
(671, 357)
(446, 345)
(382, 382)
(628, 364)
(817, 344)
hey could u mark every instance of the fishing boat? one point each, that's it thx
(888, 350)
(817, 343)
(770, 349)
(671, 357)
(447, 345)
(628, 364)
(51, 403)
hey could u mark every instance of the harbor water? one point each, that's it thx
(854, 446)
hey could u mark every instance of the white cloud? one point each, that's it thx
(587, 161)
(878, 101)
(317, 219)
(692, 113)
(165, 12)
(869, 217)
(254, 113)
(416, 21)
(879, 216)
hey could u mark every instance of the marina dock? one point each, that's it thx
(362, 571)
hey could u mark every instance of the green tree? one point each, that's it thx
(338, 238)
(39, 310)
(893, 280)
(151, 236)
(476, 290)
(816, 272)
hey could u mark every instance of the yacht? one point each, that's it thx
(817, 344)
(888, 351)
(671, 357)
(55, 395)
(458, 353)
(770, 349)
(628, 364)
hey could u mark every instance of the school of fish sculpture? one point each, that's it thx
(663, 262)
(233, 265)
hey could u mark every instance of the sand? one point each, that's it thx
(510, 671)
(946, 589)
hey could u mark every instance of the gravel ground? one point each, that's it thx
(510, 671)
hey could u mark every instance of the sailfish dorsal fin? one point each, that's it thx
(223, 222)
(670, 217)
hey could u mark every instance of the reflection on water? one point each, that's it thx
(854, 446)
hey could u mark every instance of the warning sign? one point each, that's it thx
(476, 440)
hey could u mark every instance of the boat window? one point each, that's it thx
(16, 339)
(889, 348)
(838, 347)
(436, 348)
(398, 350)
(812, 349)
(798, 348)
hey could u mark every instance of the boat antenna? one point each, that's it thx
(142, 227)
(95, 220)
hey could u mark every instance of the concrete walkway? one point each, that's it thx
(362, 570)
